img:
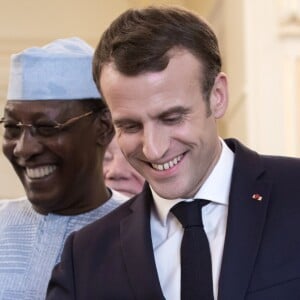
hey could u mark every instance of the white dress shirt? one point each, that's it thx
(167, 232)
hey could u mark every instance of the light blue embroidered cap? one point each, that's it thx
(60, 70)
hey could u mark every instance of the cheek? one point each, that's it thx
(139, 178)
(70, 146)
(127, 144)
(105, 168)
(201, 130)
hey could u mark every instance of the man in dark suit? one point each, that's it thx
(159, 71)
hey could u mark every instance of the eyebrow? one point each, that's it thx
(13, 113)
(122, 122)
(173, 110)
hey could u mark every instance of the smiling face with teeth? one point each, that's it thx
(60, 173)
(164, 125)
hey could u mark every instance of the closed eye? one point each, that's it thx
(11, 130)
(130, 128)
(47, 129)
(174, 115)
(127, 126)
(173, 120)
(10, 125)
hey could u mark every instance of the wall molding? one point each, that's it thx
(289, 17)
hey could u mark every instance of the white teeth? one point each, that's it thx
(167, 165)
(40, 172)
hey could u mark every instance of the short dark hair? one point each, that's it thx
(138, 41)
(92, 104)
(100, 108)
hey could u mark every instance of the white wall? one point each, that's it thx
(261, 43)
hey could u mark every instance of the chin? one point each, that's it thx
(41, 201)
(171, 194)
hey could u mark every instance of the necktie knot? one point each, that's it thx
(189, 213)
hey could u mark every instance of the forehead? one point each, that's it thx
(51, 108)
(153, 91)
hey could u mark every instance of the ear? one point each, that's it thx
(105, 129)
(219, 96)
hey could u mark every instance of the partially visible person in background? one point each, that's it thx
(119, 174)
(56, 130)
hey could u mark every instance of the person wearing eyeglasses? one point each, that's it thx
(55, 132)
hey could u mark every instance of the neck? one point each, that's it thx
(81, 201)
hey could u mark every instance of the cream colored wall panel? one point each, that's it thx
(234, 65)
(203, 7)
(263, 81)
(291, 121)
(55, 18)
(289, 16)
(289, 34)
(142, 3)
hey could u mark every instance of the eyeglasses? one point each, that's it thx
(46, 129)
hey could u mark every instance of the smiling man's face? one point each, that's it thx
(164, 126)
(53, 169)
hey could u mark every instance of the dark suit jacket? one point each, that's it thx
(113, 258)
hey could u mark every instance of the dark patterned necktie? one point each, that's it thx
(196, 269)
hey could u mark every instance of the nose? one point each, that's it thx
(118, 168)
(26, 145)
(155, 143)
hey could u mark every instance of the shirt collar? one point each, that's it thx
(216, 187)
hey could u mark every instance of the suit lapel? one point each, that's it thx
(137, 249)
(246, 219)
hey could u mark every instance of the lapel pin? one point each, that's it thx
(257, 197)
